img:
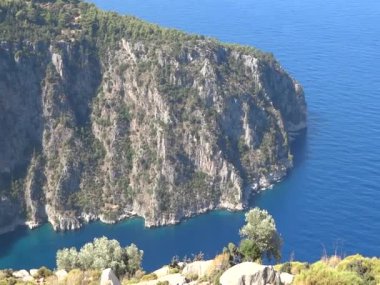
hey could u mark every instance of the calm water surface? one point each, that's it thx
(331, 200)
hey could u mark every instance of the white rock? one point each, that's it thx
(174, 279)
(163, 271)
(61, 274)
(109, 278)
(28, 279)
(58, 63)
(250, 273)
(286, 278)
(21, 274)
(201, 268)
(181, 264)
(33, 272)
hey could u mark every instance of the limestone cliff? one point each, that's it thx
(104, 116)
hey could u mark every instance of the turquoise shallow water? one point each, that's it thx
(331, 200)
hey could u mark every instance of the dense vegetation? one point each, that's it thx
(335, 270)
(101, 254)
(48, 20)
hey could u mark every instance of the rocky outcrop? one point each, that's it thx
(203, 272)
(286, 278)
(161, 124)
(198, 268)
(61, 275)
(193, 273)
(109, 278)
(34, 272)
(250, 273)
(23, 275)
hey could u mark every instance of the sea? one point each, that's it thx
(330, 202)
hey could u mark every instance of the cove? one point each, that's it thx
(330, 201)
(30, 249)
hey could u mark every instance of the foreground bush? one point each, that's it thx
(102, 253)
(77, 277)
(367, 268)
(44, 272)
(322, 274)
(354, 270)
(149, 277)
(293, 267)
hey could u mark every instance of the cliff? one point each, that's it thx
(104, 117)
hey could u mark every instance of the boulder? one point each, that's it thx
(163, 271)
(109, 278)
(174, 279)
(286, 278)
(61, 274)
(28, 279)
(200, 268)
(21, 274)
(33, 272)
(250, 273)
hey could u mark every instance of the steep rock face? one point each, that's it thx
(161, 129)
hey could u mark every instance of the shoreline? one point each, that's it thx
(85, 218)
(14, 226)
(124, 218)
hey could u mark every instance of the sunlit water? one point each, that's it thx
(331, 200)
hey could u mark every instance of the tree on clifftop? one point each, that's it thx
(260, 230)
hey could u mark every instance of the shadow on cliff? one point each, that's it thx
(299, 149)
(20, 115)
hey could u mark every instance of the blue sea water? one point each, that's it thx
(331, 200)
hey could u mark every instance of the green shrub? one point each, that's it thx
(367, 268)
(10, 281)
(298, 267)
(249, 250)
(44, 272)
(293, 267)
(191, 277)
(286, 267)
(322, 274)
(215, 278)
(133, 280)
(148, 277)
(174, 270)
(74, 277)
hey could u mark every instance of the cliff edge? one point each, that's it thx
(105, 116)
